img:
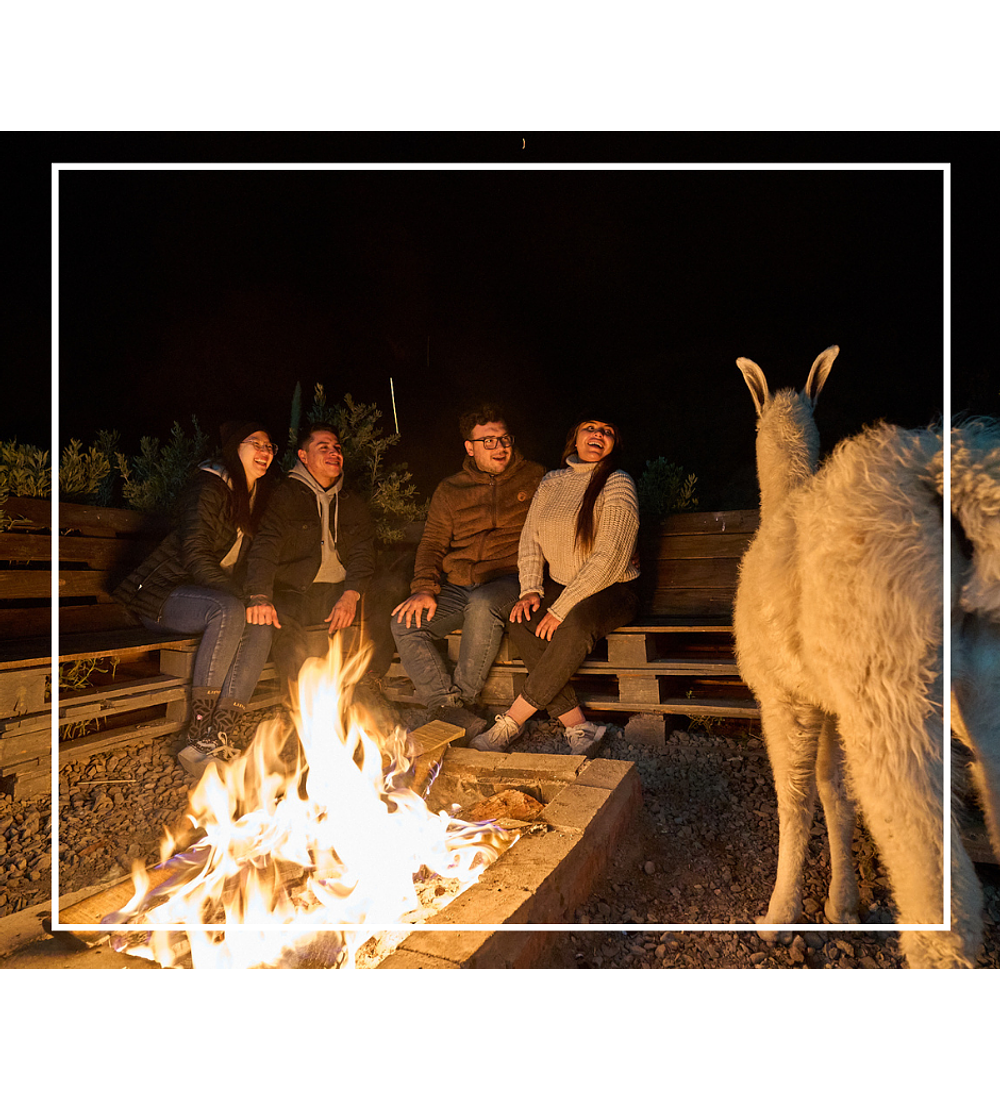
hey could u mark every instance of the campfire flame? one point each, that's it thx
(294, 849)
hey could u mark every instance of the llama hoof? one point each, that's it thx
(844, 913)
(783, 936)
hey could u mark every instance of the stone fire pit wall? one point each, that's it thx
(545, 876)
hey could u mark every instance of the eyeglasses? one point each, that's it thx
(261, 446)
(490, 442)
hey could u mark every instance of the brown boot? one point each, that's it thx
(203, 703)
(226, 724)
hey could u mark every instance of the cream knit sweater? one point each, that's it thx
(550, 530)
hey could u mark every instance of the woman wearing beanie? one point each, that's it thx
(191, 584)
(582, 526)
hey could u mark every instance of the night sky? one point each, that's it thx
(621, 293)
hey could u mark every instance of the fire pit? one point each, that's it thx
(290, 864)
(540, 880)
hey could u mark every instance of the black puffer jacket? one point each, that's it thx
(191, 553)
(286, 552)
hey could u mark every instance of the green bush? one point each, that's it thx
(25, 471)
(664, 489)
(153, 480)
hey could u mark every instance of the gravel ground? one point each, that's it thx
(703, 851)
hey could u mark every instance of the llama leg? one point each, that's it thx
(898, 780)
(791, 732)
(842, 904)
(957, 948)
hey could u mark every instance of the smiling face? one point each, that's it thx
(594, 440)
(322, 457)
(256, 456)
(497, 460)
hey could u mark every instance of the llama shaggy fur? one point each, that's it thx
(838, 623)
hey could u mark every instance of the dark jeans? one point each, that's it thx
(296, 611)
(551, 664)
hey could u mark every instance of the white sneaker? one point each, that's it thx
(504, 731)
(584, 738)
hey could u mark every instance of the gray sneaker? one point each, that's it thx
(504, 732)
(584, 738)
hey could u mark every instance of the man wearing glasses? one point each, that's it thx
(465, 576)
(314, 554)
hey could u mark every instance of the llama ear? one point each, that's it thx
(755, 380)
(817, 375)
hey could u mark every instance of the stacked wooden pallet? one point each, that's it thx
(131, 683)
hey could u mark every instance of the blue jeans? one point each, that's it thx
(482, 612)
(232, 651)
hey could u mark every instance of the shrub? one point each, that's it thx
(152, 482)
(664, 489)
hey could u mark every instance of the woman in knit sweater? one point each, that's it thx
(582, 526)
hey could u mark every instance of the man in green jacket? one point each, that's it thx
(465, 576)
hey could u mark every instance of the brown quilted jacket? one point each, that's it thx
(474, 525)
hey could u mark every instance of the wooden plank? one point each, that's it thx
(27, 624)
(22, 690)
(677, 626)
(741, 521)
(668, 546)
(95, 618)
(101, 553)
(35, 584)
(110, 520)
(690, 601)
(698, 573)
(17, 547)
(25, 747)
(123, 643)
(103, 702)
(37, 510)
(718, 708)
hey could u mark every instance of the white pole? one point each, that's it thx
(392, 390)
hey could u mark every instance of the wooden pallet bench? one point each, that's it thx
(677, 658)
(140, 684)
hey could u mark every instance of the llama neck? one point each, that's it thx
(787, 448)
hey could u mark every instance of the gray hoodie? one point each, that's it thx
(331, 570)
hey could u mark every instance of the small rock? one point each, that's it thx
(649, 867)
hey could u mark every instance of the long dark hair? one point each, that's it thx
(245, 517)
(598, 478)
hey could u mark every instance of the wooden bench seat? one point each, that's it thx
(140, 682)
(676, 659)
(655, 665)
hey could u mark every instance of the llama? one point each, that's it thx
(838, 627)
(975, 605)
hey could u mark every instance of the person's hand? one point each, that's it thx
(547, 627)
(524, 607)
(414, 606)
(263, 614)
(343, 611)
